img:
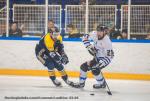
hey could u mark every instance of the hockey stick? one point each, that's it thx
(108, 92)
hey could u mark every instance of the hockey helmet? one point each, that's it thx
(101, 28)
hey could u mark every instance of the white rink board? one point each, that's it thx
(129, 57)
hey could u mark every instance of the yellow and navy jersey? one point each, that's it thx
(49, 44)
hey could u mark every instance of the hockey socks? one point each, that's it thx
(82, 79)
(53, 78)
(100, 82)
(65, 78)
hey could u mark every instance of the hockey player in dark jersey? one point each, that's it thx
(50, 52)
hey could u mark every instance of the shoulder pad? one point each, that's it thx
(59, 38)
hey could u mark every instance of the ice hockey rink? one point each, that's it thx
(20, 88)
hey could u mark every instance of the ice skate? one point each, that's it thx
(56, 83)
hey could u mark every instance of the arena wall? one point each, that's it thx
(131, 59)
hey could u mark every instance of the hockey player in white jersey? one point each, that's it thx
(103, 53)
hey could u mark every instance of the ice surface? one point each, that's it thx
(40, 87)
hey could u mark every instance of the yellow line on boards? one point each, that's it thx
(125, 76)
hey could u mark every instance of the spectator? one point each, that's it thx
(51, 27)
(148, 37)
(14, 31)
(72, 31)
(114, 34)
(148, 32)
(82, 2)
(92, 2)
(124, 34)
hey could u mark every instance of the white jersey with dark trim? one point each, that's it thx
(103, 47)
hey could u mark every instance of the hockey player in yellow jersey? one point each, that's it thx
(50, 52)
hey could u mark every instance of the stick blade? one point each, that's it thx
(109, 93)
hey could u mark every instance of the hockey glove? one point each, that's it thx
(96, 66)
(91, 50)
(64, 59)
(56, 57)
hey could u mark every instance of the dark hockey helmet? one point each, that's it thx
(101, 28)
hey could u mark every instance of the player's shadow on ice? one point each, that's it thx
(64, 88)
(61, 88)
(46, 87)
